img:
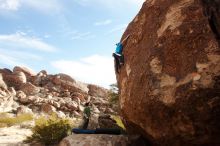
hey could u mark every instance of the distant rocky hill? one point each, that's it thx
(21, 90)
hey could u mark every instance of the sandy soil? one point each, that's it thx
(13, 136)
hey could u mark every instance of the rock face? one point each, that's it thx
(97, 91)
(103, 140)
(29, 89)
(94, 140)
(25, 70)
(2, 83)
(170, 83)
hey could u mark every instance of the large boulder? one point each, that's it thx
(27, 71)
(72, 105)
(42, 73)
(12, 91)
(2, 83)
(106, 122)
(82, 86)
(97, 91)
(94, 140)
(47, 108)
(6, 103)
(93, 122)
(23, 110)
(22, 97)
(5, 71)
(66, 77)
(15, 80)
(29, 89)
(64, 82)
(170, 83)
(21, 77)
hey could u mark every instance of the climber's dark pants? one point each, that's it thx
(119, 61)
(85, 122)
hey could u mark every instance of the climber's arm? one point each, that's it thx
(124, 41)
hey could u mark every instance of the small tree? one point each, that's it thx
(114, 93)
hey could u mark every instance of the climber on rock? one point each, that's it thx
(118, 55)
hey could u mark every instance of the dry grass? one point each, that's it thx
(6, 121)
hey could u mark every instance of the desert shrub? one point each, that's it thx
(113, 94)
(50, 130)
(6, 121)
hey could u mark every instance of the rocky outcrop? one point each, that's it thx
(45, 93)
(105, 121)
(23, 110)
(2, 83)
(47, 108)
(5, 71)
(23, 93)
(103, 140)
(66, 78)
(170, 82)
(28, 72)
(20, 76)
(15, 80)
(94, 140)
(97, 91)
(29, 89)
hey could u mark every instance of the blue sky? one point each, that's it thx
(76, 37)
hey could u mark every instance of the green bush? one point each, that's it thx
(113, 94)
(6, 121)
(49, 131)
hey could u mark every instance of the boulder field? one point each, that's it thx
(23, 91)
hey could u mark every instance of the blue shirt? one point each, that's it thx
(119, 48)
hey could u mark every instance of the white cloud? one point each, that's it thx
(20, 55)
(46, 36)
(101, 23)
(94, 69)
(120, 27)
(8, 60)
(11, 5)
(21, 40)
(13, 58)
(43, 5)
(81, 36)
(110, 3)
(40, 5)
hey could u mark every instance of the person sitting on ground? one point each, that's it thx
(118, 55)
(86, 115)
